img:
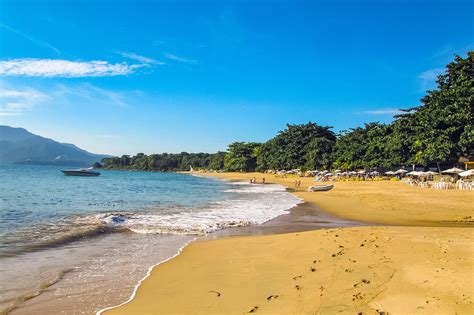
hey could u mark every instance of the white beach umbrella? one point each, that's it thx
(415, 173)
(329, 174)
(467, 173)
(337, 171)
(453, 170)
(401, 171)
(390, 173)
(361, 172)
(430, 173)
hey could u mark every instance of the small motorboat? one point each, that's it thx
(81, 172)
(320, 188)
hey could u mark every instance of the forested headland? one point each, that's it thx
(438, 132)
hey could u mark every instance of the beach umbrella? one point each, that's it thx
(467, 173)
(361, 172)
(430, 173)
(401, 171)
(337, 171)
(329, 174)
(415, 173)
(453, 170)
(352, 173)
(390, 173)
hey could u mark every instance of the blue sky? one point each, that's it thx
(122, 77)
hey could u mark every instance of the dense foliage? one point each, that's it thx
(165, 162)
(299, 146)
(438, 132)
(242, 157)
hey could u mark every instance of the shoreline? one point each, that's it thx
(35, 305)
(148, 273)
(377, 202)
(280, 224)
(171, 272)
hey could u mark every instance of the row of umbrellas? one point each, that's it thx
(401, 171)
(341, 173)
(453, 170)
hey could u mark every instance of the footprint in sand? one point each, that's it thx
(272, 297)
(312, 269)
(218, 294)
(358, 296)
(254, 309)
(297, 277)
(297, 287)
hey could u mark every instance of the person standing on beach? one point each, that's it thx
(263, 180)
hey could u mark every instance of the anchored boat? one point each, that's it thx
(81, 172)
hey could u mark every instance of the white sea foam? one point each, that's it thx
(245, 205)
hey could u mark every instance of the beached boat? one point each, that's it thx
(320, 188)
(81, 172)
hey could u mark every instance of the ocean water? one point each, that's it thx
(79, 244)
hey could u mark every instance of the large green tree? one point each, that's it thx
(306, 146)
(241, 157)
(442, 126)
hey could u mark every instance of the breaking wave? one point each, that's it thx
(242, 204)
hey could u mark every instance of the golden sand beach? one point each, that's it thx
(420, 262)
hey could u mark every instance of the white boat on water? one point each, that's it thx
(81, 172)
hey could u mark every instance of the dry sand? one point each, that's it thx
(427, 268)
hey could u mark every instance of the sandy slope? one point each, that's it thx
(395, 269)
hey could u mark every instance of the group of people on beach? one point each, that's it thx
(297, 183)
(254, 180)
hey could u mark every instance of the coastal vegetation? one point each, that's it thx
(440, 131)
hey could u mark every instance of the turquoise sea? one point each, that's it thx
(56, 230)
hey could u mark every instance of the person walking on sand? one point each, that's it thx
(263, 180)
(296, 183)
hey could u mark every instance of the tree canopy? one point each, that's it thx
(439, 131)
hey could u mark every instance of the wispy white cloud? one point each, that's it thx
(139, 58)
(16, 101)
(64, 68)
(178, 58)
(428, 78)
(31, 39)
(388, 111)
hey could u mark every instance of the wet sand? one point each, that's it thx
(303, 217)
(422, 266)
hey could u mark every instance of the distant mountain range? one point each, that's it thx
(18, 146)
